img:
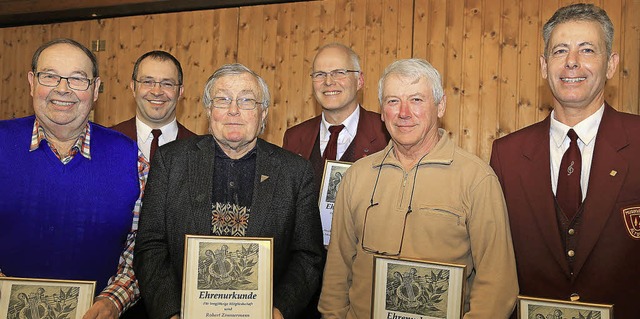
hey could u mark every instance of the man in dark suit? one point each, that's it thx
(581, 240)
(230, 183)
(337, 78)
(156, 84)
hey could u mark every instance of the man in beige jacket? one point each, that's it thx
(422, 197)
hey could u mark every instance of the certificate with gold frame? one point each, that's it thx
(536, 308)
(331, 178)
(227, 277)
(417, 289)
(45, 298)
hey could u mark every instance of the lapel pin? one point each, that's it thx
(263, 178)
(613, 173)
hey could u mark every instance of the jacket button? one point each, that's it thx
(571, 253)
(574, 297)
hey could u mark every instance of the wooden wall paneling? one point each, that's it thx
(127, 51)
(284, 66)
(190, 29)
(405, 29)
(93, 33)
(612, 90)
(25, 41)
(372, 56)
(120, 49)
(389, 37)
(296, 85)
(454, 67)
(250, 44)
(223, 47)
(359, 43)
(420, 29)
(470, 109)
(545, 97)
(434, 33)
(327, 24)
(10, 69)
(282, 72)
(275, 129)
(509, 67)
(528, 74)
(342, 22)
(630, 57)
(107, 112)
(489, 78)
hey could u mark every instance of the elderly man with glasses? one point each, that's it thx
(68, 187)
(230, 183)
(422, 197)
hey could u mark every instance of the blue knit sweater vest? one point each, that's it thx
(65, 221)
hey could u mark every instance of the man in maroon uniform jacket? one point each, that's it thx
(586, 248)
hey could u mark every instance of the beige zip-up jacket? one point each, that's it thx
(458, 216)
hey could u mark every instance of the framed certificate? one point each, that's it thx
(539, 308)
(409, 288)
(331, 178)
(45, 298)
(227, 277)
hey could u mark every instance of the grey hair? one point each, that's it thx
(355, 60)
(414, 68)
(579, 12)
(236, 69)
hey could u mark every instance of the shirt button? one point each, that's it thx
(232, 184)
(571, 253)
(572, 231)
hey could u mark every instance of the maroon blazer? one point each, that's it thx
(607, 257)
(128, 128)
(371, 136)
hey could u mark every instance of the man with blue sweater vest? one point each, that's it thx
(69, 186)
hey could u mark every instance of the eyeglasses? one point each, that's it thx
(150, 84)
(52, 80)
(221, 102)
(337, 74)
(373, 204)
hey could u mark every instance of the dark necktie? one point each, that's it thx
(569, 193)
(331, 150)
(154, 143)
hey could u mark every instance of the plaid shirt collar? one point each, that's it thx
(81, 145)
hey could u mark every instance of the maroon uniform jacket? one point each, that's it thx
(128, 128)
(607, 253)
(371, 136)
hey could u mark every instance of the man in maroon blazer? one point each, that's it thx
(156, 84)
(336, 79)
(589, 252)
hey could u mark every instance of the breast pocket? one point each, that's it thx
(446, 216)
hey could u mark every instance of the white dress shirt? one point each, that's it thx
(345, 137)
(169, 134)
(559, 142)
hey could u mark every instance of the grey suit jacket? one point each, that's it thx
(177, 201)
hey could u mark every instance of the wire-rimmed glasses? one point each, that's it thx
(75, 82)
(373, 204)
(337, 74)
(165, 84)
(221, 102)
